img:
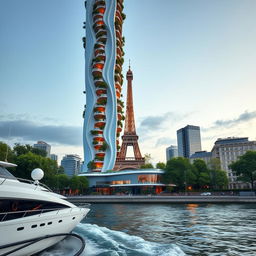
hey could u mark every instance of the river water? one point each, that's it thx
(165, 229)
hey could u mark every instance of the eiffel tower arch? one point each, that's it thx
(130, 138)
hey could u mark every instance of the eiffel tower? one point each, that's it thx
(130, 138)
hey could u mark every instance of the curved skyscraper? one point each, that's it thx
(103, 112)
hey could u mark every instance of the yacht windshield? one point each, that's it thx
(5, 174)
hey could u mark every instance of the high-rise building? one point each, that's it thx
(171, 152)
(203, 155)
(189, 140)
(54, 157)
(43, 146)
(228, 150)
(71, 164)
(103, 79)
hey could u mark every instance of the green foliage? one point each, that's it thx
(123, 16)
(104, 146)
(60, 170)
(6, 153)
(147, 166)
(28, 162)
(221, 179)
(180, 172)
(214, 164)
(245, 167)
(100, 158)
(94, 132)
(62, 181)
(91, 165)
(78, 182)
(102, 101)
(19, 149)
(160, 165)
(202, 173)
(74, 183)
(39, 152)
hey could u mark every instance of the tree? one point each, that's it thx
(39, 152)
(180, 172)
(160, 165)
(147, 166)
(214, 164)
(202, 173)
(6, 153)
(245, 167)
(61, 170)
(83, 183)
(19, 149)
(219, 179)
(62, 181)
(28, 162)
(148, 158)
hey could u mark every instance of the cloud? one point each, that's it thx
(242, 118)
(30, 131)
(165, 141)
(156, 122)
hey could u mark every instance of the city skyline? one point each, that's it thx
(193, 64)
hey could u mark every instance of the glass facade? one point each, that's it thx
(149, 178)
(120, 182)
(189, 140)
(171, 152)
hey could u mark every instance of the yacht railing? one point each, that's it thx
(33, 182)
(22, 214)
(29, 182)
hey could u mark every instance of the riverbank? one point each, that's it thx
(162, 199)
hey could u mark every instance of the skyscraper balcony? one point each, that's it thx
(101, 92)
(100, 124)
(99, 116)
(96, 71)
(99, 65)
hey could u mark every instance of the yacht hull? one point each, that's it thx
(40, 225)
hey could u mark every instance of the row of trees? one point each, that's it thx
(245, 168)
(198, 175)
(28, 158)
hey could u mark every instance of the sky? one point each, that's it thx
(193, 62)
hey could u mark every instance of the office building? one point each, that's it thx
(54, 157)
(103, 80)
(171, 152)
(228, 150)
(203, 155)
(189, 140)
(71, 164)
(43, 146)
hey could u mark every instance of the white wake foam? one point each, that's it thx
(101, 241)
(117, 243)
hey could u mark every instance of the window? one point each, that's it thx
(149, 178)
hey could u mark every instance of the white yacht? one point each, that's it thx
(30, 211)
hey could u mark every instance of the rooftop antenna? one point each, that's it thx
(9, 133)
(129, 64)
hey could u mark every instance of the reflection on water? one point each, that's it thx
(196, 229)
(193, 214)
